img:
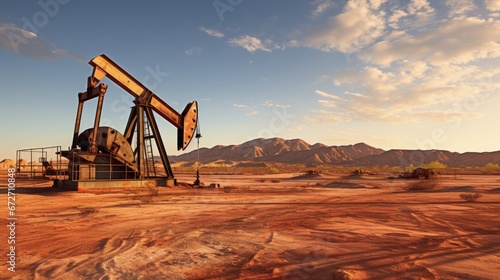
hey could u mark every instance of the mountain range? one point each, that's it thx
(297, 151)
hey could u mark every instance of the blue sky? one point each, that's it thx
(411, 74)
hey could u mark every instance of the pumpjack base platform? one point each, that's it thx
(107, 185)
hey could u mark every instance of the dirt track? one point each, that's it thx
(265, 227)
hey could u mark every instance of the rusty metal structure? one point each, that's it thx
(419, 173)
(104, 156)
(44, 162)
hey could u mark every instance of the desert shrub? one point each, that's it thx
(434, 165)
(431, 165)
(274, 170)
(422, 185)
(275, 180)
(470, 197)
(410, 168)
(491, 168)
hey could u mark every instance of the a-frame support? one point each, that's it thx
(136, 124)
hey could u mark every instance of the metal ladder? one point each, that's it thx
(148, 146)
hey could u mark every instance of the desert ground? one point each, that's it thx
(275, 226)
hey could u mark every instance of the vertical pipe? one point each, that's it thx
(18, 166)
(140, 140)
(59, 164)
(44, 170)
(31, 163)
(77, 123)
(93, 144)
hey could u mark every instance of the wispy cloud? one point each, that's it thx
(358, 25)
(415, 15)
(24, 42)
(460, 8)
(324, 94)
(269, 103)
(409, 93)
(456, 41)
(327, 103)
(240, 106)
(193, 51)
(212, 32)
(320, 6)
(249, 111)
(251, 44)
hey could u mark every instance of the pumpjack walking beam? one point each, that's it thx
(185, 123)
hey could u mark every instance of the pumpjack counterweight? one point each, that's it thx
(103, 153)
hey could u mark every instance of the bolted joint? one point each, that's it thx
(145, 98)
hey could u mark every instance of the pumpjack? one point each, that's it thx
(102, 156)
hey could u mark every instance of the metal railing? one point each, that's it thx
(34, 163)
(86, 171)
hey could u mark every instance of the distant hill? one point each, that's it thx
(297, 151)
(417, 157)
(284, 151)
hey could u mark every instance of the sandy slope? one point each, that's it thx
(323, 228)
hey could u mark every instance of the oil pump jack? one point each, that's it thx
(103, 157)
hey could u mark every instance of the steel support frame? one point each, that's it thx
(136, 122)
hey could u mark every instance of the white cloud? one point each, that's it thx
(252, 44)
(212, 32)
(412, 92)
(416, 68)
(358, 25)
(456, 41)
(421, 7)
(24, 42)
(492, 5)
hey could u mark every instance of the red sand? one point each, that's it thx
(260, 227)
